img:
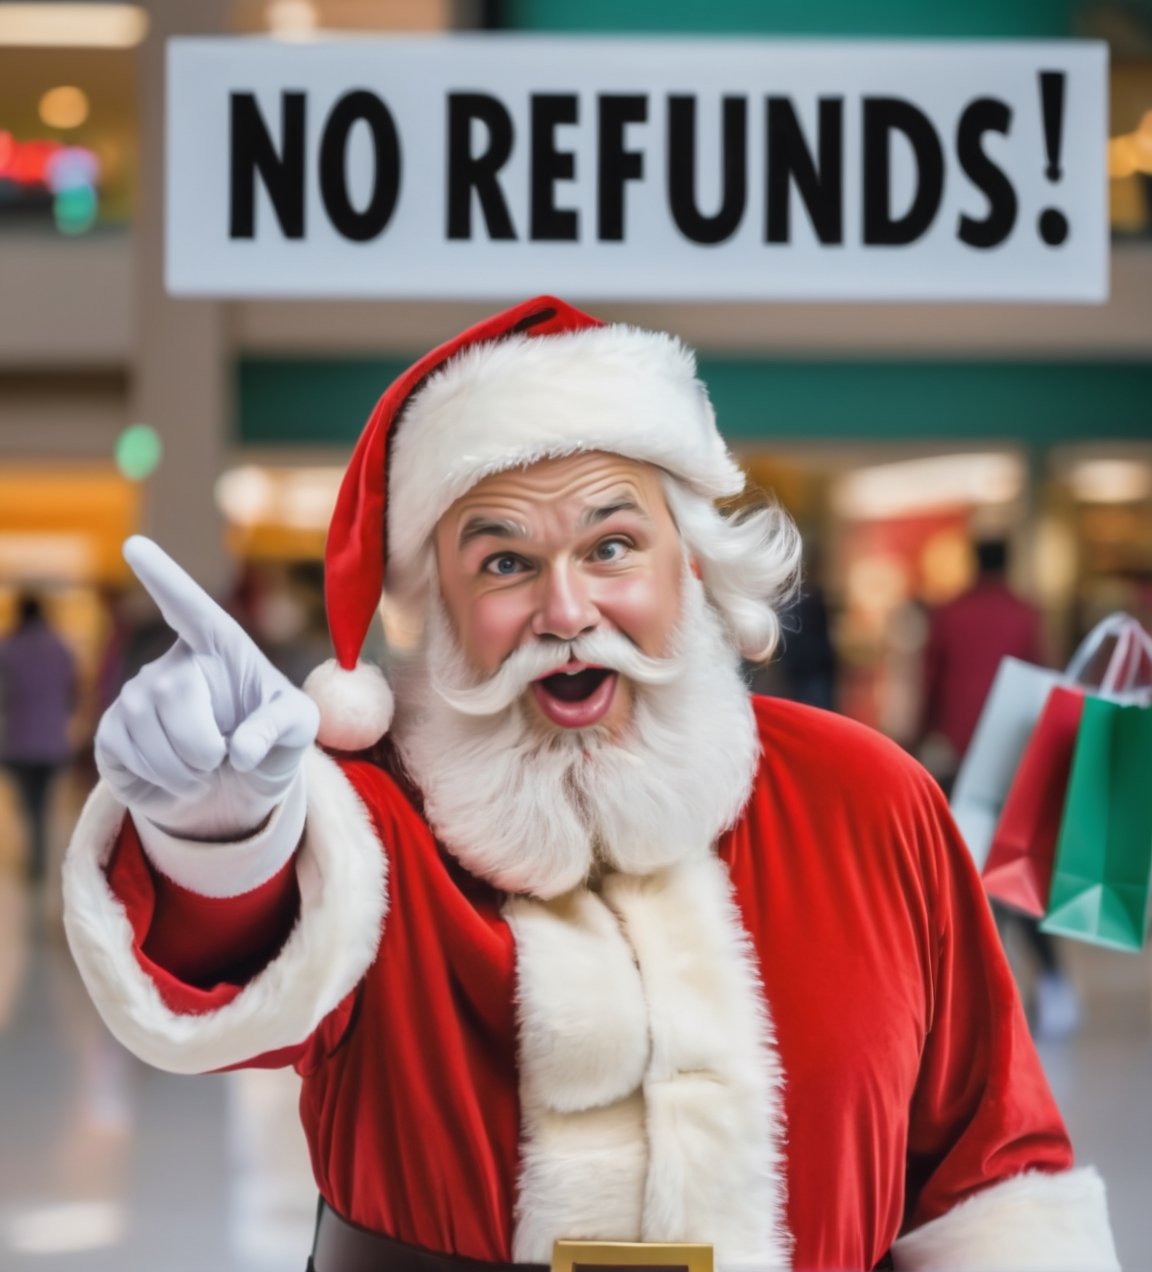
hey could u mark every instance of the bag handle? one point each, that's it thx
(1121, 669)
(1139, 653)
(1132, 650)
(1090, 646)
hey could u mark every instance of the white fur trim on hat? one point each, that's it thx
(355, 706)
(1034, 1222)
(513, 402)
(342, 873)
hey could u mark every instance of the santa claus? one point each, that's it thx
(589, 946)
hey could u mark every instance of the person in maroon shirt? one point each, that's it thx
(967, 639)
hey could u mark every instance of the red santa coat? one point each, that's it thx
(808, 1050)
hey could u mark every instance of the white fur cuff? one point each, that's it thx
(1034, 1223)
(342, 875)
(229, 869)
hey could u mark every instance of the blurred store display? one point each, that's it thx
(898, 536)
(1130, 148)
(68, 115)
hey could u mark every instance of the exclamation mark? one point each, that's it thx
(1053, 225)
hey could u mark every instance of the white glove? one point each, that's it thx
(208, 739)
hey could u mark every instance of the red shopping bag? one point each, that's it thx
(1019, 865)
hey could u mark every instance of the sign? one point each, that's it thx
(497, 166)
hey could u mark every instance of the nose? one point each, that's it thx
(565, 606)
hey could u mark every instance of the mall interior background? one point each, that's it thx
(896, 434)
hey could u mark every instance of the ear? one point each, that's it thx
(694, 566)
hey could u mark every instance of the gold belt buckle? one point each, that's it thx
(627, 1256)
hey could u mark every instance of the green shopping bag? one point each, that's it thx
(1103, 870)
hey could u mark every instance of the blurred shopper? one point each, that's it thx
(131, 636)
(37, 698)
(289, 622)
(808, 660)
(967, 639)
(111, 670)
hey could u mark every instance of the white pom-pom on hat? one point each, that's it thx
(355, 705)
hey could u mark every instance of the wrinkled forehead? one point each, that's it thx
(574, 489)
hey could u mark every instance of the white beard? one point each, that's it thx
(540, 811)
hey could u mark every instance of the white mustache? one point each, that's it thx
(606, 649)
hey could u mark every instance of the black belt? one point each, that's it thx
(341, 1246)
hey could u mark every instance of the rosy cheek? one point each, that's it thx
(494, 626)
(645, 609)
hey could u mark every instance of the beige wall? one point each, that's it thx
(1121, 328)
(66, 417)
(66, 303)
(78, 302)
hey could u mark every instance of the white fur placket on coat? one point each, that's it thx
(650, 1081)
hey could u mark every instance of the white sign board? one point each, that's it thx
(495, 166)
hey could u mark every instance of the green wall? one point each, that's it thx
(1034, 19)
(325, 402)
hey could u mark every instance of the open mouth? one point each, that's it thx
(575, 686)
(577, 697)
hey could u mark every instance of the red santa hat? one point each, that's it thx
(538, 381)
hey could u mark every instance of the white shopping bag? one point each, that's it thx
(1013, 706)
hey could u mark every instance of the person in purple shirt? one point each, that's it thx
(37, 698)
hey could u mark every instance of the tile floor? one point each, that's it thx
(109, 1166)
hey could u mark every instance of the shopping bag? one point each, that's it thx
(1019, 866)
(1010, 712)
(1011, 709)
(1103, 870)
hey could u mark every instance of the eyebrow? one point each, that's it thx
(480, 527)
(594, 516)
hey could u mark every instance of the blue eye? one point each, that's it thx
(504, 565)
(610, 550)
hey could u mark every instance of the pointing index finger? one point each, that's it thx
(191, 613)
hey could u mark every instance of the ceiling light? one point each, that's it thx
(106, 26)
(32, 556)
(1131, 153)
(244, 495)
(921, 485)
(64, 107)
(1111, 481)
(307, 497)
(66, 1228)
(291, 18)
(296, 498)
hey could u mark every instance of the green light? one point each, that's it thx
(138, 451)
(75, 209)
